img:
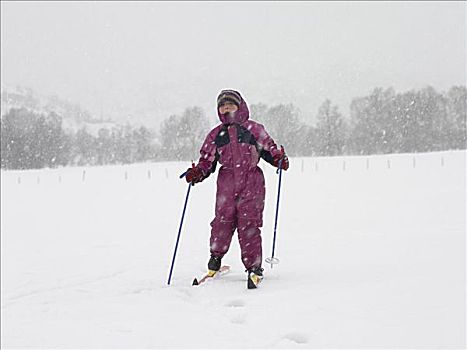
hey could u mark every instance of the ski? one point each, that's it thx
(211, 274)
(254, 281)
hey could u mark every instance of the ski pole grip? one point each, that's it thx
(184, 174)
(279, 166)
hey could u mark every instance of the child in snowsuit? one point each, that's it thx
(237, 144)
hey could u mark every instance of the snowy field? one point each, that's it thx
(372, 255)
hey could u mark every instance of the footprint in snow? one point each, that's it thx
(235, 303)
(297, 337)
(237, 314)
(238, 319)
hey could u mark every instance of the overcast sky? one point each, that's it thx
(147, 60)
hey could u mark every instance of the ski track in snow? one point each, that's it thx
(7, 299)
(372, 255)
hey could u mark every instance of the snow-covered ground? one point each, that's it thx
(372, 255)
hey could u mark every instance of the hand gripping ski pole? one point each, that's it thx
(179, 229)
(272, 260)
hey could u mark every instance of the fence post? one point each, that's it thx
(84, 175)
(367, 163)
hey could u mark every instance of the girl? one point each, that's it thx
(237, 144)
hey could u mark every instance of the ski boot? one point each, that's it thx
(255, 276)
(214, 265)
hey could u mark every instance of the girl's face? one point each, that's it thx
(228, 107)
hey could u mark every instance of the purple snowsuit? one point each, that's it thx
(237, 144)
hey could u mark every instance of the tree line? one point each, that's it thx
(383, 122)
(33, 141)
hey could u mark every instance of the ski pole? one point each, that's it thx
(179, 229)
(272, 260)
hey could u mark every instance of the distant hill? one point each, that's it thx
(74, 117)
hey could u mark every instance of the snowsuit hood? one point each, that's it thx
(239, 117)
